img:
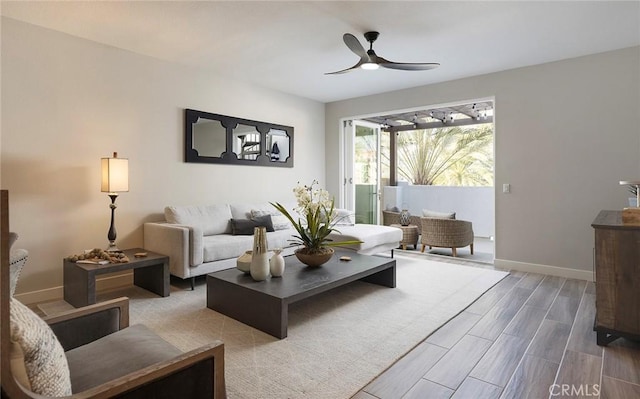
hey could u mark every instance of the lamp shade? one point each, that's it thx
(115, 174)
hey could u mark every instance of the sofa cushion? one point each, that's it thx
(250, 211)
(44, 358)
(371, 235)
(280, 221)
(344, 217)
(212, 219)
(101, 361)
(246, 227)
(225, 246)
(440, 215)
(243, 211)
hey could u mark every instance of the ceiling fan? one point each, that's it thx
(370, 60)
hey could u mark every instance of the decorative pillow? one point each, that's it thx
(344, 217)
(440, 215)
(17, 260)
(280, 221)
(17, 366)
(244, 227)
(44, 358)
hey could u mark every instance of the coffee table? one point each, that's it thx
(265, 304)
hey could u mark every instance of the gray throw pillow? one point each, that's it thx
(245, 227)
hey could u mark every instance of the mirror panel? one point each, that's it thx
(278, 145)
(246, 142)
(209, 138)
(214, 138)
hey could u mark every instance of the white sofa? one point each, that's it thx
(199, 239)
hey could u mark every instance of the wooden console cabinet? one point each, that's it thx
(617, 274)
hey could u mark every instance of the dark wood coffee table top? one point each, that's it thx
(264, 304)
(300, 281)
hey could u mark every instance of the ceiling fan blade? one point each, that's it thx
(409, 66)
(356, 66)
(354, 45)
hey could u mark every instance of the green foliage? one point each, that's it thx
(447, 156)
(320, 218)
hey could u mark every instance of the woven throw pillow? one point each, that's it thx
(440, 215)
(17, 260)
(44, 358)
(279, 221)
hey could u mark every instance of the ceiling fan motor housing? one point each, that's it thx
(371, 36)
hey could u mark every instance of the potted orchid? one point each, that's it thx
(317, 220)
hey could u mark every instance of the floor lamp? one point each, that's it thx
(115, 179)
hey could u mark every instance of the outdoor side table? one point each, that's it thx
(410, 235)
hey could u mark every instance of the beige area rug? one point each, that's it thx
(445, 255)
(337, 342)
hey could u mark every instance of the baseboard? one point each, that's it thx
(544, 269)
(57, 293)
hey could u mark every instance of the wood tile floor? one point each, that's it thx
(530, 336)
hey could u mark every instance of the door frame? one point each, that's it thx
(341, 147)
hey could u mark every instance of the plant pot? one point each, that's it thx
(314, 259)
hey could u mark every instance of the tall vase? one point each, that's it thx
(260, 257)
(276, 263)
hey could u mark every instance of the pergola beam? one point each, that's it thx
(435, 125)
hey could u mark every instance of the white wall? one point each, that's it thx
(67, 102)
(565, 134)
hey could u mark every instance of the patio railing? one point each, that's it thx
(475, 204)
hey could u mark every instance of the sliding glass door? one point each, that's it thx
(362, 170)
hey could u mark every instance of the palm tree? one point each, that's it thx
(447, 156)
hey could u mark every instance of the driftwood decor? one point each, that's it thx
(214, 138)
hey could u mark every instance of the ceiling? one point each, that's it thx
(289, 45)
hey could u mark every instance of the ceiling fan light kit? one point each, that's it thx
(369, 60)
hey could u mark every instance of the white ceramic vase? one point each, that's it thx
(276, 263)
(260, 257)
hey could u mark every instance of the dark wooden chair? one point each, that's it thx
(145, 367)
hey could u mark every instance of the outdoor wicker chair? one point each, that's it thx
(446, 233)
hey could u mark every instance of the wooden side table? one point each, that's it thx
(150, 273)
(410, 235)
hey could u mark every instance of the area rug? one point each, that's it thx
(337, 342)
(444, 255)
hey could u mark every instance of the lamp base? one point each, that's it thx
(112, 248)
(631, 216)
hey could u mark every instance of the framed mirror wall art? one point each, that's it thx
(215, 138)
